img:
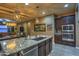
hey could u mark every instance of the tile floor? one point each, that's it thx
(63, 50)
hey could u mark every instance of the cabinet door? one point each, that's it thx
(50, 45)
(68, 19)
(41, 49)
(58, 38)
(47, 47)
(58, 23)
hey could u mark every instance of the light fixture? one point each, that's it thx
(29, 24)
(4, 43)
(43, 12)
(26, 3)
(66, 5)
(37, 21)
(17, 16)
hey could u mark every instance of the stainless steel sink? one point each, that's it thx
(39, 38)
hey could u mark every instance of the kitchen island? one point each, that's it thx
(41, 46)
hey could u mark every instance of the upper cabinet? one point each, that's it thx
(68, 19)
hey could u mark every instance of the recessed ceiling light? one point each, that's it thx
(66, 5)
(43, 12)
(26, 3)
(29, 23)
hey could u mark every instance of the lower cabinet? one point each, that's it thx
(50, 44)
(45, 47)
(41, 49)
(58, 38)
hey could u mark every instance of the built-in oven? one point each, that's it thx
(68, 32)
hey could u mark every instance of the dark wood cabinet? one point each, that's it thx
(41, 49)
(59, 22)
(68, 19)
(47, 47)
(63, 21)
(50, 44)
(58, 38)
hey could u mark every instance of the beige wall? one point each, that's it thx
(44, 20)
(29, 27)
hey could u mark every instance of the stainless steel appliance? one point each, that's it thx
(68, 32)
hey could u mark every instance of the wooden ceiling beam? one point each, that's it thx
(4, 12)
(12, 11)
(6, 9)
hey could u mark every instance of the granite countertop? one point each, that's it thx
(8, 37)
(21, 43)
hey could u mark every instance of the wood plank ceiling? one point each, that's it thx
(33, 10)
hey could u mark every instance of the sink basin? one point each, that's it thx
(39, 38)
